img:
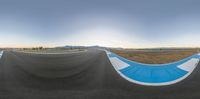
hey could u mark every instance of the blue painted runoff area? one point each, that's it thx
(153, 73)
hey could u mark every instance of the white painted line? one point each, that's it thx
(1, 53)
(189, 65)
(107, 52)
(118, 64)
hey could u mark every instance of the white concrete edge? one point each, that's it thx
(119, 64)
(154, 84)
(1, 54)
(51, 53)
(189, 65)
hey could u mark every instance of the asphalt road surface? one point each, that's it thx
(84, 75)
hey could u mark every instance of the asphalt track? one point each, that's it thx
(84, 75)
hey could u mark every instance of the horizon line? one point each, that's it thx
(105, 47)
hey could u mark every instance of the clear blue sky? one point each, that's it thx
(114, 23)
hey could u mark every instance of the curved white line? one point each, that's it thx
(190, 70)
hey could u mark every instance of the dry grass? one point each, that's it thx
(155, 57)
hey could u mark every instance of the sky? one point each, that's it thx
(110, 23)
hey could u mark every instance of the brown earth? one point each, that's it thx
(155, 57)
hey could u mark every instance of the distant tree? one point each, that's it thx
(33, 48)
(40, 48)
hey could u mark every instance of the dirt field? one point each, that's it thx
(155, 57)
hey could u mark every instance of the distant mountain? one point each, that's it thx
(94, 46)
(69, 46)
(72, 46)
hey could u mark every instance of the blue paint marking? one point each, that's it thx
(153, 73)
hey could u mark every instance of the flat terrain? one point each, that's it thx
(87, 75)
(155, 56)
